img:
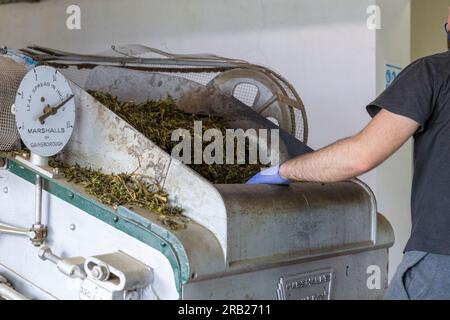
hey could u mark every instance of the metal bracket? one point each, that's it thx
(43, 170)
(37, 233)
(115, 276)
(71, 267)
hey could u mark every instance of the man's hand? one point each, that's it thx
(269, 176)
(354, 156)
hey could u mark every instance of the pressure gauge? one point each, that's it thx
(45, 111)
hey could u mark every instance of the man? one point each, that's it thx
(416, 105)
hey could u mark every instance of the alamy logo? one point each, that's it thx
(374, 19)
(237, 147)
(73, 21)
(374, 279)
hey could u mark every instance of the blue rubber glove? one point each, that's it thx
(269, 176)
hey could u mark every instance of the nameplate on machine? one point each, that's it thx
(315, 285)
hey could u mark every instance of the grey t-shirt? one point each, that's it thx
(422, 93)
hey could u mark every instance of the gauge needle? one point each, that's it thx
(51, 111)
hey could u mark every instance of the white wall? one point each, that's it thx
(322, 46)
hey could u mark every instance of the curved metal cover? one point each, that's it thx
(304, 218)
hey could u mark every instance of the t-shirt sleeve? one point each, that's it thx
(410, 95)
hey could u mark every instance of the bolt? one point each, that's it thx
(40, 234)
(32, 234)
(5, 190)
(43, 251)
(72, 227)
(100, 272)
(116, 219)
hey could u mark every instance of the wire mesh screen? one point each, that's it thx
(299, 128)
(202, 78)
(246, 93)
(11, 74)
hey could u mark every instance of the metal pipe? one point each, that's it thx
(41, 162)
(5, 228)
(38, 210)
(8, 293)
(38, 160)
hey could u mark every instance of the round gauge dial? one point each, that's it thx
(45, 111)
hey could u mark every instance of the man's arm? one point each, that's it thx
(351, 157)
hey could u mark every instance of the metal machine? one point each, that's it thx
(306, 241)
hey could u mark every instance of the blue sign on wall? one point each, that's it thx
(392, 72)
